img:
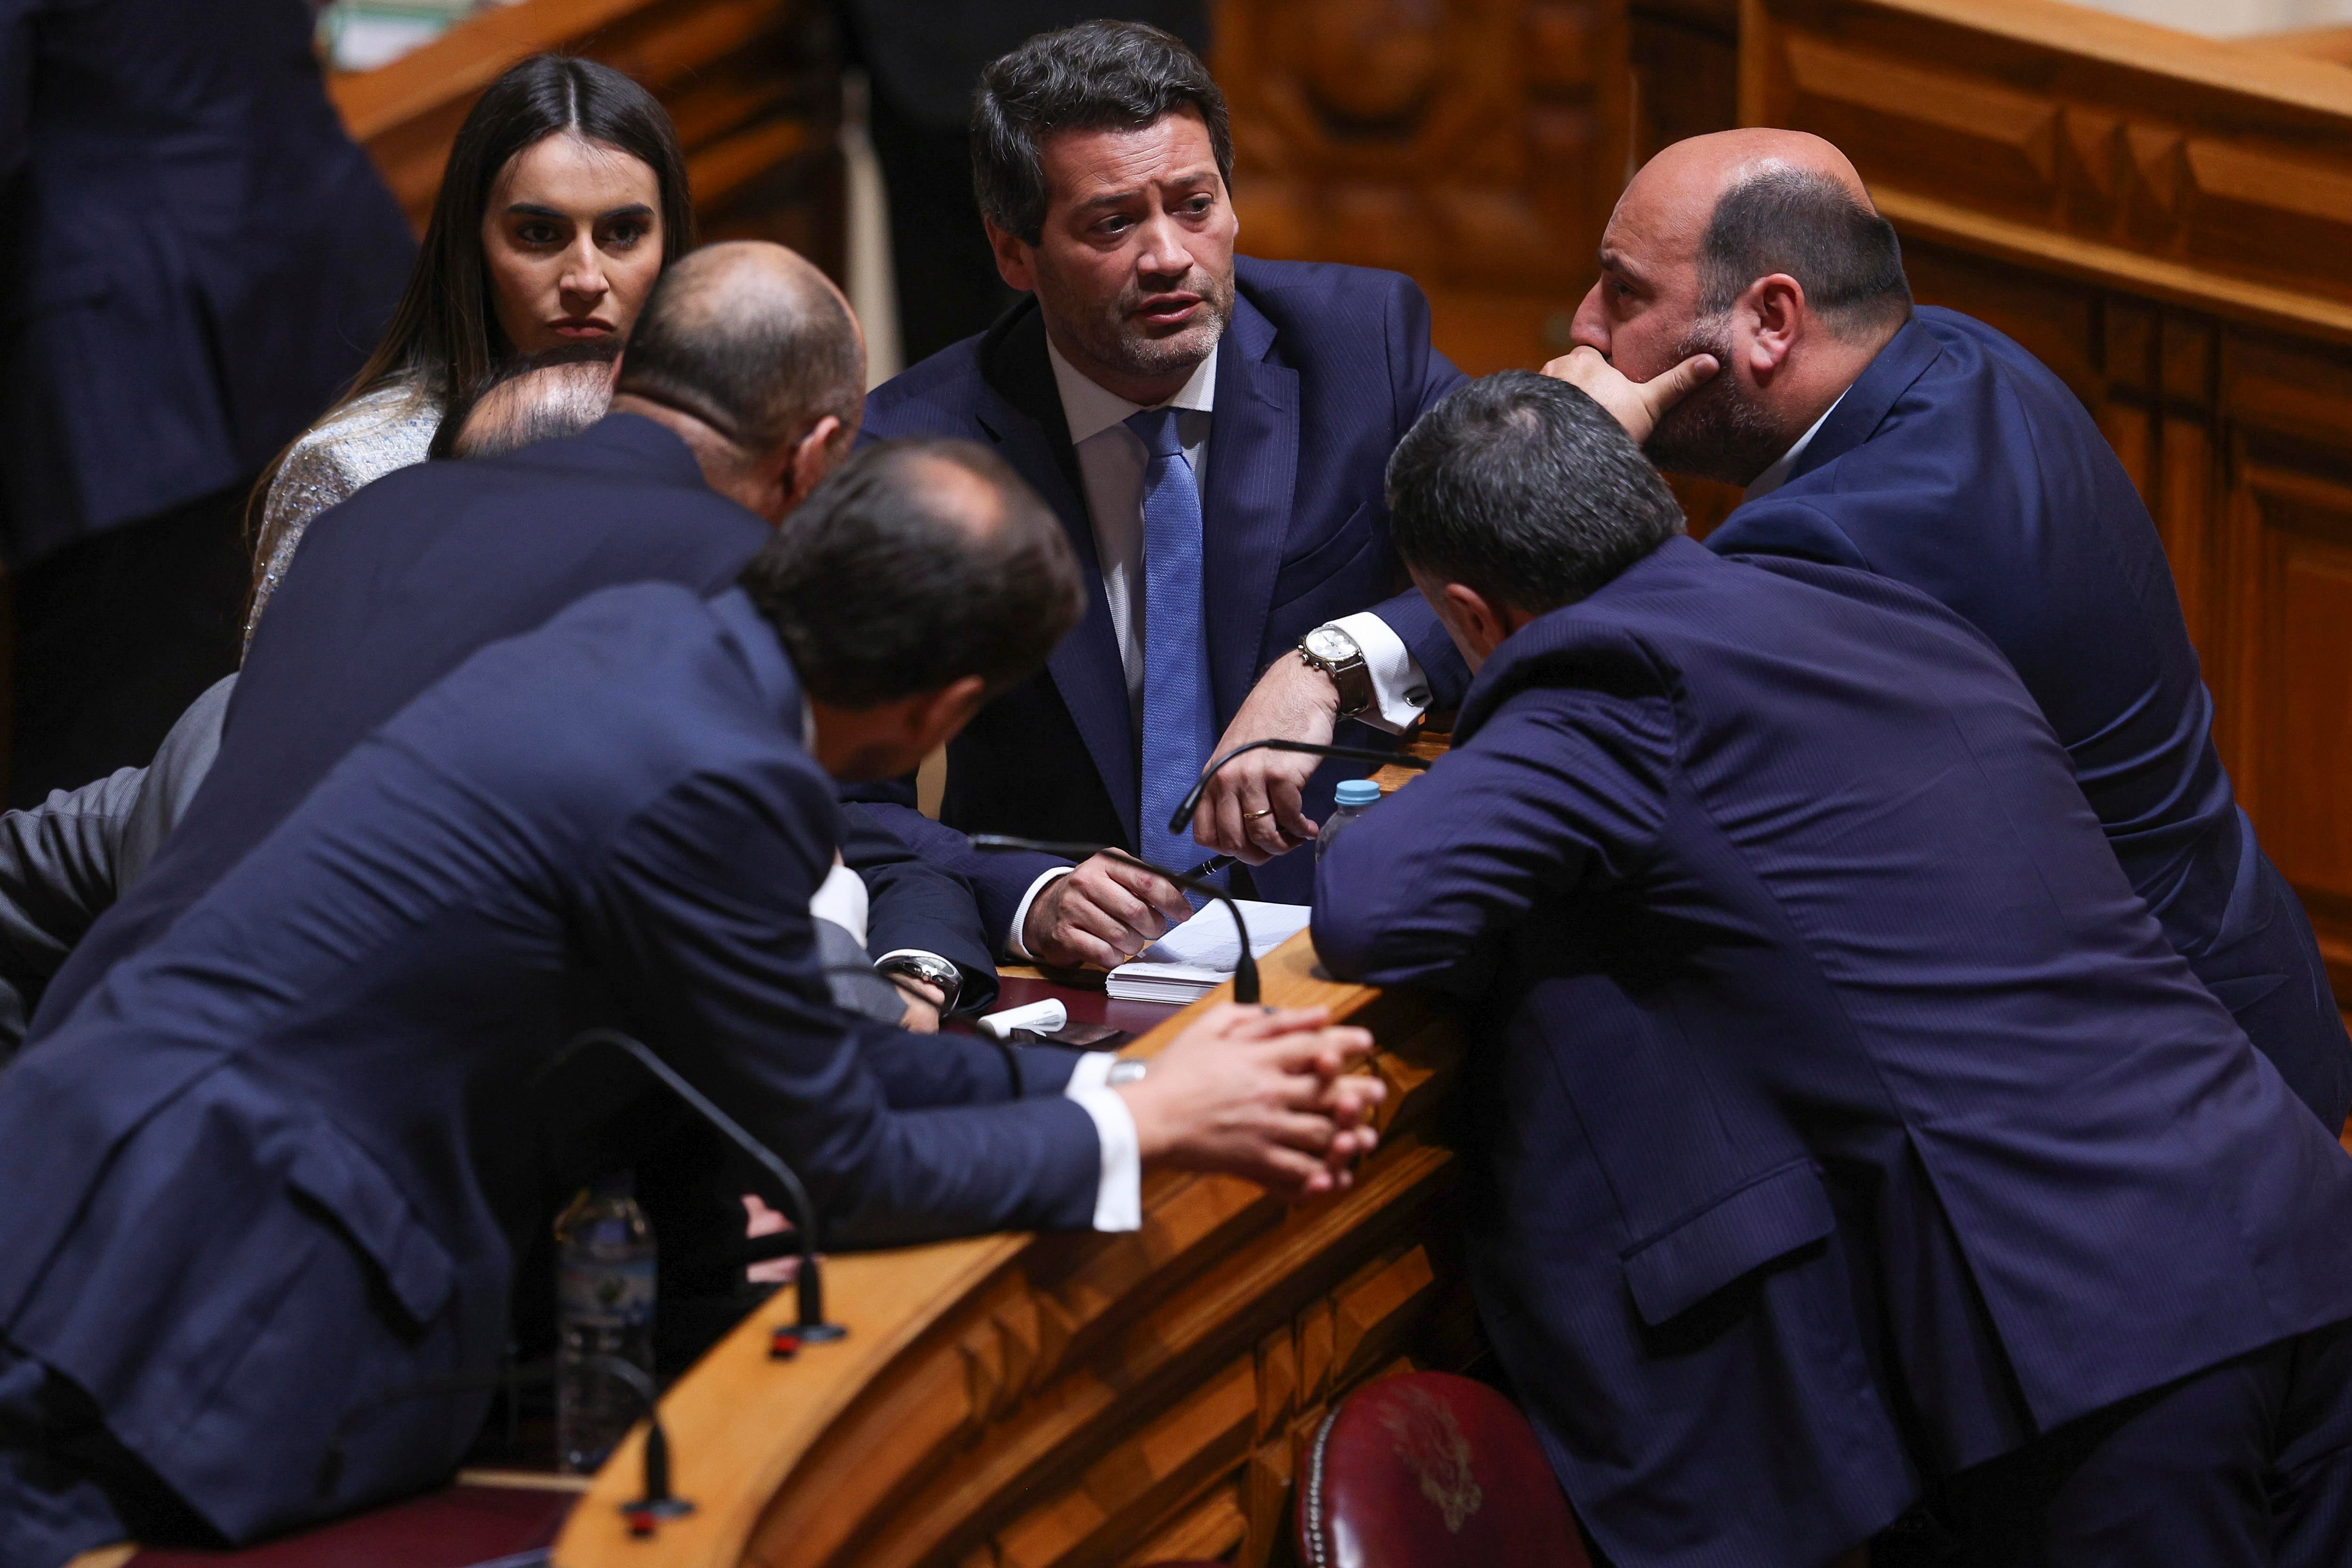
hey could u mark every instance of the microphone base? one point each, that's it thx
(644, 1514)
(786, 1340)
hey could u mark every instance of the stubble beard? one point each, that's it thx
(1720, 431)
(1113, 336)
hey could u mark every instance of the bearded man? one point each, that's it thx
(1212, 432)
(1926, 447)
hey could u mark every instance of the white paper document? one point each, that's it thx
(1201, 954)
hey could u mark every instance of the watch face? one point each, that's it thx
(1331, 645)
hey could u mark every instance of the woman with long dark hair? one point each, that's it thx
(564, 197)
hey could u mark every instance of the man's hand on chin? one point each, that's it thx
(1104, 912)
(1638, 406)
(1261, 1093)
(1251, 809)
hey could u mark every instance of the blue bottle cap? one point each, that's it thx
(1358, 792)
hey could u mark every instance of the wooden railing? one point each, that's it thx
(1038, 1400)
(2164, 220)
(753, 87)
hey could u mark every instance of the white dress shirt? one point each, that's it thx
(1773, 477)
(1112, 464)
(841, 899)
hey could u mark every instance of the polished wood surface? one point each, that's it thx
(1075, 1399)
(753, 87)
(1477, 146)
(2163, 219)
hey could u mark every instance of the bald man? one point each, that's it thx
(743, 385)
(1752, 324)
(267, 1192)
(66, 861)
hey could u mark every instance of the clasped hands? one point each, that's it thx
(1261, 1092)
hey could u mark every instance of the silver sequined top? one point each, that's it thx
(389, 428)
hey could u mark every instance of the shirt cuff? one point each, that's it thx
(842, 898)
(1021, 915)
(1118, 1199)
(1400, 690)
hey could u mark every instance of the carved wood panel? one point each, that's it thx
(2163, 221)
(1475, 144)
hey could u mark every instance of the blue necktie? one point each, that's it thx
(1179, 715)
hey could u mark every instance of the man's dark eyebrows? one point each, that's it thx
(1614, 261)
(1117, 198)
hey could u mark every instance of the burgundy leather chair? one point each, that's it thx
(1430, 1471)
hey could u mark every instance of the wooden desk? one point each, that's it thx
(1064, 1399)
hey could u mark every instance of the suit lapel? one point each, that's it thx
(1867, 402)
(1245, 506)
(1022, 412)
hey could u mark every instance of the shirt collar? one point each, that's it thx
(1091, 410)
(1773, 477)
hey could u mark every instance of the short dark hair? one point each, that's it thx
(760, 375)
(1097, 75)
(539, 421)
(882, 586)
(1524, 489)
(1809, 227)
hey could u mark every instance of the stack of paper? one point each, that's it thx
(1201, 954)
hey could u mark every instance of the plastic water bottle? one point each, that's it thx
(1356, 797)
(604, 1297)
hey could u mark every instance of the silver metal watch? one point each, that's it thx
(1337, 655)
(931, 970)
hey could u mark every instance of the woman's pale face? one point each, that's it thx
(573, 240)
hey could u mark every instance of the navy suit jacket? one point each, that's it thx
(397, 586)
(1958, 464)
(1321, 372)
(1845, 1116)
(277, 1166)
(196, 256)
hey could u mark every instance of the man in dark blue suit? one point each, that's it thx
(1210, 431)
(1930, 448)
(1848, 1125)
(196, 258)
(267, 1185)
(400, 584)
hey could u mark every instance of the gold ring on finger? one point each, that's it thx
(1254, 815)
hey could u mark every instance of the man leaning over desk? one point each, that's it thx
(267, 1185)
(1211, 430)
(1845, 1134)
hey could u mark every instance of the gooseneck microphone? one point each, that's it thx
(812, 1329)
(1191, 801)
(1245, 967)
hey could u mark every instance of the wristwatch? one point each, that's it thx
(1335, 653)
(922, 966)
(1127, 1070)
